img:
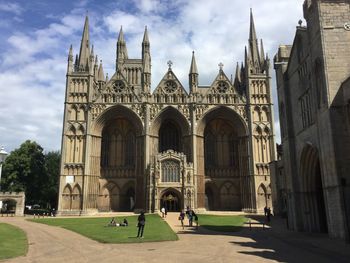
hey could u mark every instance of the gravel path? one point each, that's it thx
(54, 244)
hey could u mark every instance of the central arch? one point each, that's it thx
(170, 130)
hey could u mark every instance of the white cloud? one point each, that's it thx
(11, 8)
(32, 78)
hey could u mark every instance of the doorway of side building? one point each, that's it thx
(312, 197)
(171, 201)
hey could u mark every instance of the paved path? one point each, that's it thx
(54, 244)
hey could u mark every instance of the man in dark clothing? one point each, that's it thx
(141, 224)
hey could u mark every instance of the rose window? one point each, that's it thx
(222, 87)
(118, 86)
(170, 86)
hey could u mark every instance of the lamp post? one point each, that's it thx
(3, 156)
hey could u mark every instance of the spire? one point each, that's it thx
(193, 75)
(121, 35)
(193, 69)
(101, 74)
(145, 36)
(122, 52)
(262, 54)
(84, 47)
(253, 45)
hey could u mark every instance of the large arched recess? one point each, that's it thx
(236, 173)
(112, 116)
(313, 212)
(170, 117)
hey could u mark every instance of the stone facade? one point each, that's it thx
(127, 148)
(313, 96)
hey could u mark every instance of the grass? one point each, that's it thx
(222, 223)
(156, 229)
(13, 242)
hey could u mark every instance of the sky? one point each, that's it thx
(35, 37)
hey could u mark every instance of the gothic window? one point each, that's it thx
(320, 85)
(210, 151)
(170, 171)
(130, 149)
(306, 110)
(222, 87)
(232, 150)
(170, 86)
(169, 137)
(118, 86)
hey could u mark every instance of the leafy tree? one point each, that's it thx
(28, 169)
(52, 166)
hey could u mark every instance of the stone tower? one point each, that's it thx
(312, 80)
(127, 148)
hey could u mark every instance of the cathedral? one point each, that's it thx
(129, 146)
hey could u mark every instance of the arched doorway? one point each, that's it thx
(314, 216)
(171, 200)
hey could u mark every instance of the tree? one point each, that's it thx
(52, 166)
(28, 169)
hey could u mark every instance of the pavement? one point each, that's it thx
(273, 243)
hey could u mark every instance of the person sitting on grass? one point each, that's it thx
(113, 222)
(125, 222)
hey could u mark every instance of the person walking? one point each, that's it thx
(163, 211)
(181, 218)
(141, 224)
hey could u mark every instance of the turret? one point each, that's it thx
(96, 69)
(193, 75)
(101, 74)
(70, 67)
(122, 52)
(146, 63)
(237, 81)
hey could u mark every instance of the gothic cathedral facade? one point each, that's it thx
(128, 148)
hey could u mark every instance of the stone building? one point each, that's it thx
(314, 107)
(126, 147)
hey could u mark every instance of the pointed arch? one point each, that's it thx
(230, 196)
(76, 197)
(104, 200)
(67, 197)
(262, 200)
(314, 214)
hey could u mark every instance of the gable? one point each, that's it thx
(170, 85)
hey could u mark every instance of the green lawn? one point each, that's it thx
(156, 229)
(222, 223)
(13, 242)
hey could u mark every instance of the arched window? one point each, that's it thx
(130, 150)
(210, 150)
(169, 137)
(170, 171)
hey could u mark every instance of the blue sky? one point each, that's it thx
(35, 36)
